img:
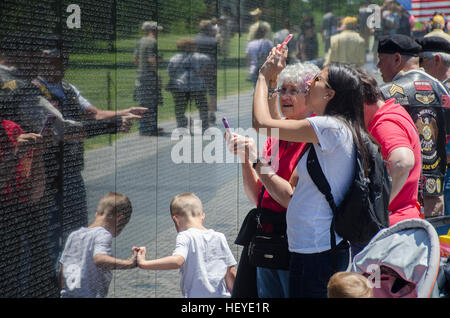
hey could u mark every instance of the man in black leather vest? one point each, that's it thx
(435, 59)
(422, 96)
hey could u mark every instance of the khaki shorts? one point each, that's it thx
(433, 206)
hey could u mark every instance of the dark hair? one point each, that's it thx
(371, 91)
(261, 31)
(347, 103)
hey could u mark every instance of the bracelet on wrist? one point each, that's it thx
(271, 93)
(258, 160)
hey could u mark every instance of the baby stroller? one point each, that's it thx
(403, 261)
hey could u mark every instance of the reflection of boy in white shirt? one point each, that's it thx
(206, 264)
(87, 261)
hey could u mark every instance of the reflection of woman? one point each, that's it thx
(274, 283)
(186, 71)
(335, 96)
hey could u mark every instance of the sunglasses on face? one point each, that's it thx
(423, 59)
(318, 78)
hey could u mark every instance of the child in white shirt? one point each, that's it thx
(87, 261)
(206, 264)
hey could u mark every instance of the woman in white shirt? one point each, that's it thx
(335, 96)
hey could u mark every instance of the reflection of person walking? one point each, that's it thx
(187, 81)
(206, 43)
(148, 88)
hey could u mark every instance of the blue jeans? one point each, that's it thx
(309, 273)
(272, 283)
(447, 193)
(356, 248)
(148, 124)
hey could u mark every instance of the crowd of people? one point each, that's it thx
(327, 107)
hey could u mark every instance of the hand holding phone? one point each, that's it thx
(227, 127)
(286, 41)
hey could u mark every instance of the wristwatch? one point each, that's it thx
(258, 160)
(271, 93)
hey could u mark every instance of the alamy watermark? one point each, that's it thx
(374, 20)
(74, 19)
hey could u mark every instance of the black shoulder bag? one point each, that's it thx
(269, 249)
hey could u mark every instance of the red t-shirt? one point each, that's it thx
(393, 128)
(8, 190)
(284, 164)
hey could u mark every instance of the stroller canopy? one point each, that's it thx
(401, 261)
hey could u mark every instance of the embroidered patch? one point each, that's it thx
(402, 100)
(426, 132)
(11, 85)
(430, 185)
(396, 89)
(425, 99)
(423, 86)
(446, 101)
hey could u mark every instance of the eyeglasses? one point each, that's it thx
(290, 92)
(320, 78)
(423, 59)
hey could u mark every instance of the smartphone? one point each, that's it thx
(48, 123)
(286, 41)
(227, 126)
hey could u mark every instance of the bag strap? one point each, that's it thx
(318, 177)
(263, 189)
(270, 163)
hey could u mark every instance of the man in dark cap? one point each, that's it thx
(422, 96)
(435, 58)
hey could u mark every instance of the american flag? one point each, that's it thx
(423, 10)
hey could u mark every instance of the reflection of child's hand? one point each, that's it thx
(141, 254)
(134, 254)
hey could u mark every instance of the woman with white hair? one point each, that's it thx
(262, 189)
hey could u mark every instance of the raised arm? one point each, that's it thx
(289, 130)
(272, 100)
(279, 189)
